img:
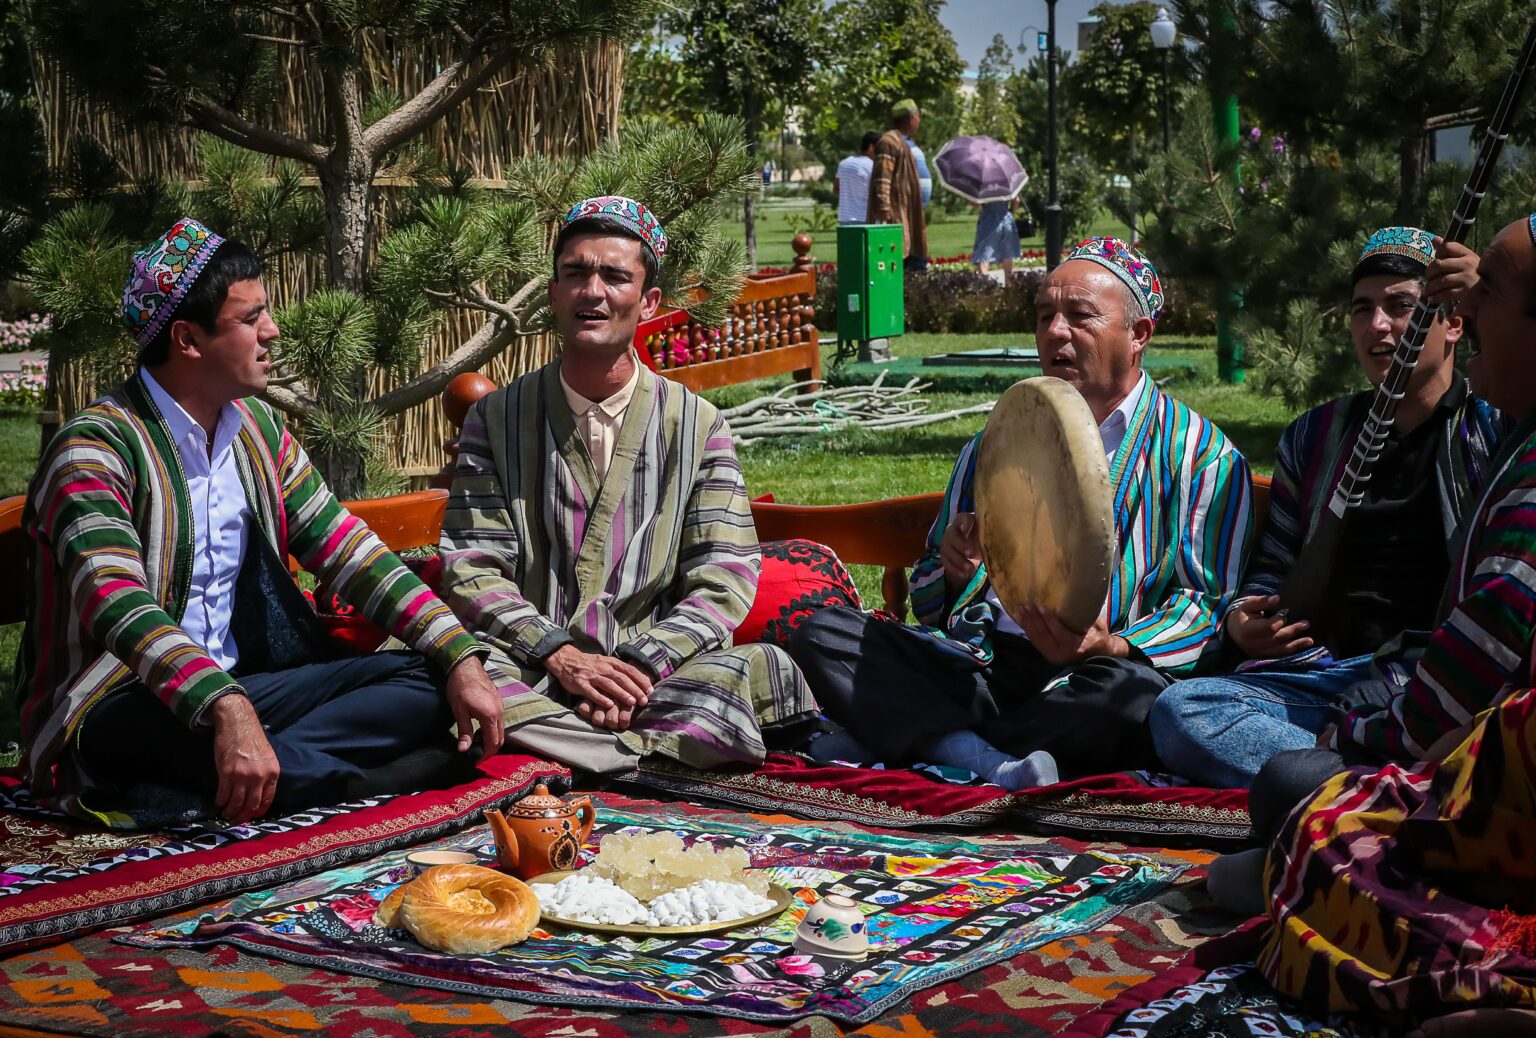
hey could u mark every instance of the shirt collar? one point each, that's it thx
(1119, 419)
(185, 431)
(615, 404)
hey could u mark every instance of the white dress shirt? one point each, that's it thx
(220, 521)
(599, 421)
(1112, 432)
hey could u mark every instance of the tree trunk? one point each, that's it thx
(749, 209)
(1412, 161)
(346, 183)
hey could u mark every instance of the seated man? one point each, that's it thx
(986, 691)
(1397, 547)
(1423, 694)
(167, 645)
(598, 535)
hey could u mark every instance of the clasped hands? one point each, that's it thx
(248, 770)
(960, 557)
(610, 690)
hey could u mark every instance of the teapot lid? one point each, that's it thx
(541, 800)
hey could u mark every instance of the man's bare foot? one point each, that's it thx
(1480, 1023)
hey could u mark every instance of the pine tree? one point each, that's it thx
(453, 246)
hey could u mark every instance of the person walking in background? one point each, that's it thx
(997, 237)
(851, 183)
(895, 193)
(768, 173)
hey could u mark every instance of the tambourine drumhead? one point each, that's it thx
(1044, 510)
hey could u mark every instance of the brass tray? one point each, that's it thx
(780, 897)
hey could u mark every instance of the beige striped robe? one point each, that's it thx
(657, 564)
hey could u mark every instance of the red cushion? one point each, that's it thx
(349, 627)
(799, 577)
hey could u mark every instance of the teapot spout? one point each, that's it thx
(506, 840)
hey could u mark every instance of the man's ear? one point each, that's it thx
(650, 303)
(1453, 329)
(183, 340)
(1141, 334)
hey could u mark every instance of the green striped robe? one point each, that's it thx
(656, 564)
(109, 519)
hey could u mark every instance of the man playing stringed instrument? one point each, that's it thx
(1220, 731)
(1020, 700)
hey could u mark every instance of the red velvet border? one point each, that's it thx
(141, 889)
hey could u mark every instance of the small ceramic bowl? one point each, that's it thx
(833, 926)
(427, 859)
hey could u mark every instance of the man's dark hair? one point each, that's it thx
(606, 226)
(1392, 263)
(233, 261)
(870, 140)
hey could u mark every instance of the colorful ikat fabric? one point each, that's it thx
(936, 909)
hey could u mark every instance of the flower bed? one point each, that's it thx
(23, 390)
(19, 334)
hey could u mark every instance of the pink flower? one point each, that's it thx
(801, 966)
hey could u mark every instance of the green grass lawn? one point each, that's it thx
(947, 235)
(18, 457)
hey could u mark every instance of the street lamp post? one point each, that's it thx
(1052, 202)
(1164, 32)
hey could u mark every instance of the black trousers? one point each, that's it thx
(893, 687)
(327, 723)
(1285, 781)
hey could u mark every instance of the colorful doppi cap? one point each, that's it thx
(626, 212)
(1412, 242)
(162, 273)
(1127, 264)
(1530, 225)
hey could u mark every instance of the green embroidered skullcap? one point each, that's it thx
(903, 108)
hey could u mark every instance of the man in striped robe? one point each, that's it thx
(1424, 693)
(598, 536)
(1398, 545)
(169, 665)
(1021, 700)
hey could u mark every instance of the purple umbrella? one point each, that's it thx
(980, 169)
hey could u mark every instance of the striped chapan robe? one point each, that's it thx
(1482, 650)
(655, 564)
(1310, 461)
(110, 522)
(1183, 502)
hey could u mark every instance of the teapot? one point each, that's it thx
(541, 833)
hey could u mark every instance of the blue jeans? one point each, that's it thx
(1220, 731)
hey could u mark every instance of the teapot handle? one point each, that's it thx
(588, 814)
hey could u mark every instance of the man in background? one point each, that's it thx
(895, 189)
(851, 183)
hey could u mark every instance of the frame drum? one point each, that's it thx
(1044, 508)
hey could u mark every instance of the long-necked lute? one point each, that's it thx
(1305, 593)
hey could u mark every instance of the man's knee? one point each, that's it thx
(823, 631)
(1288, 779)
(1184, 711)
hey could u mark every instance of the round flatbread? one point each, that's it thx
(1044, 509)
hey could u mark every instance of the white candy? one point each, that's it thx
(599, 900)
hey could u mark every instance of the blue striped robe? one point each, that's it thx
(657, 564)
(1183, 519)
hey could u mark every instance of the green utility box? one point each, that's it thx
(870, 301)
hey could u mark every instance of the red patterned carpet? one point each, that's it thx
(93, 986)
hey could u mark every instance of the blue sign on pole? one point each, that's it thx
(1042, 42)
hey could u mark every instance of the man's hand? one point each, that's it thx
(243, 758)
(1061, 645)
(610, 689)
(473, 697)
(1452, 273)
(1255, 626)
(959, 553)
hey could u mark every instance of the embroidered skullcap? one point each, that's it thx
(627, 213)
(1411, 242)
(903, 108)
(1530, 225)
(1130, 266)
(162, 273)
